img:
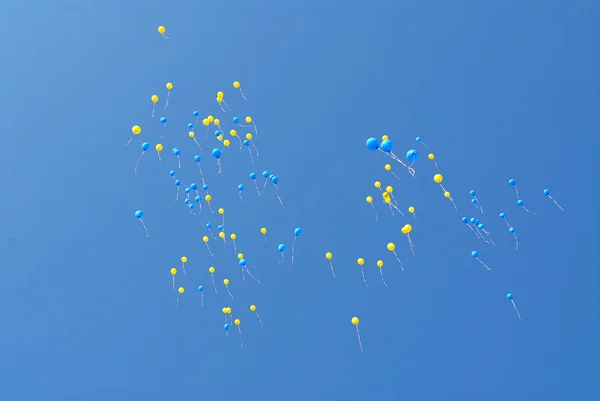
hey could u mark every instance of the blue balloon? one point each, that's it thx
(197, 159)
(139, 214)
(520, 202)
(186, 201)
(220, 227)
(270, 176)
(217, 133)
(281, 247)
(172, 173)
(195, 113)
(474, 201)
(242, 262)
(253, 176)
(188, 190)
(217, 153)
(190, 125)
(190, 205)
(372, 144)
(194, 186)
(480, 226)
(176, 151)
(226, 326)
(472, 192)
(145, 146)
(464, 220)
(208, 225)
(476, 221)
(412, 155)
(163, 120)
(512, 182)
(509, 296)
(298, 232)
(511, 230)
(275, 179)
(265, 173)
(418, 139)
(236, 120)
(198, 199)
(472, 220)
(246, 142)
(546, 192)
(475, 254)
(178, 182)
(241, 187)
(201, 288)
(205, 187)
(502, 215)
(387, 146)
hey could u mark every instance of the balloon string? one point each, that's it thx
(221, 106)
(330, 265)
(251, 158)
(138, 162)
(293, 246)
(242, 92)
(241, 339)
(146, 229)
(209, 251)
(486, 266)
(173, 282)
(243, 273)
(556, 203)
(250, 274)
(214, 285)
(363, 276)
(382, 279)
(256, 186)
(359, 341)
(201, 299)
(516, 310)
(229, 292)
(259, 320)
(129, 141)
(527, 210)
(516, 241)
(398, 259)
(278, 197)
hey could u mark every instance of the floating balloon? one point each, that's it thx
(169, 86)
(392, 248)
(217, 155)
(380, 265)
(388, 167)
(263, 231)
(201, 289)
(249, 120)
(159, 149)
(513, 184)
(253, 309)
(173, 273)
(145, 147)
(521, 203)
(431, 157)
(154, 99)
(412, 156)
(438, 178)
(205, 240)
(237, 323)
(244, 265)
(183, 262)
(136, 130)
(509, 296)
(475, 256)
(139, 214)
(177, 153)
(511, 230)
(411, 209)
(466, 221)
(406, 231)
(237, 85)
(197, 159)
(361, 262)
(180, 291)
(297, 233)
(281, 248)
(192, 135)
(419, 140)
(226, 326)
(355, 322)
(226, 282)
(211, 270)
(546, 193)
(369, 200)
(221, 211)
(162, 30)
(475, 201)
(208, 198)
(241, 188)
(481, 227)
(329, 256)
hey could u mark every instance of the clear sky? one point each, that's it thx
(497, 90)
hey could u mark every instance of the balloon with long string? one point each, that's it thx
(475, 200)
(521, 203)
(159, 149)
(369, 200)
(180, 291)
(221, 95)
(361, 263)
(178, 185)
(355, 322)
(241, 188)
(266, 175)
(209, 227)
(226, 143)
(206, 123)
(387, 199)
(139, 215)
(249, 137)
(263, 231)
(386, 147)
(208, 198)
(234, 133)
(466, 221)
(281, 248)
(224, 310)
(236, 121)
(513, 183)
(145, 147)
(244, 265)
(169, 86)
(162, 30)
(229, 314)
(173, 273)
(194, 187)
(390, 190)
(226, 282)
(297, 233)
(192, 135)
(237, 323)
(250, 121)
(253, 309)
(177, 153)
(197, 115)
(411, 209)
(136, 130)
(412, 156)
(184, 260)
(275, 181)
(211, 270)
(154, 99)
(481, 227)
(221, 211)
(163, 121)
(201, 289)
(329, 256)
(388, 167)
(420, 140)
(475, 255)
(237, 85)
(205, 240)
(511, 230)
(198, 200)
(503, 217)
(246, 143)
(510, 297)
(406, 231)
(233, 238)
(438, 178)
(226, 326)
(217, 155)
(380, 266)
(188, 190)
(431, 157)
(197, 159)
(546, 193)
(392, 248)
(220, 101)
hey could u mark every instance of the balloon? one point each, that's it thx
(418, 139)
(242, 262)
(237, 322)
(372, 144)
(139, 214)
(136, 129)
(181, 290)
(173, 271)
(159, 147)
(412, 155)
(281, 247)
(391, 246)
(355, 320)
(217, 153)
(360, 261)
(438, 178)
(297, 232)
(253, 308)
(408, 228)
(195, 113)
(411, 209)
(512, 182)
(169, 86)
(226, 281)
(329, 255)
(201, 288)
(211, 269)
(248, 119)
(145, 146)
(546, 192)
(431, 156)
(161, 29)
(387, 146)
(263, 231)
(154, 98)
(226, 326)
(475, 254)
(236, 84)
(163, 120)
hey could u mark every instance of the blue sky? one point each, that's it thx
(497, 91)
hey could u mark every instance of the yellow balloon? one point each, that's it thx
(385, 194)
(248, 119)
(411, 209)
(237, 322)
(240, 256)
(208, 198)
(236, 84)
(136, 129)
(226, 142)
(360, 261)
(252, 308)
(403, 230)
(154, 98)
(249, 136)
(233, 132)
(387, 199)
(447, 194)
(210, 119)
(408, 228)
(391, 246)
(159, 147)
(389, 189)
(377, 184)
(221, 234)
(329, 255)
(221, 210)
(226, 281)
(224, 310)
(220, 94)
(211, 270)
(183, 259)
(369, 199)
(191, 134)
(161, 29)
(388, 167)
(169, 86)
(438, 178)
(263, 231)
(173, 271)
(219, 99)
(205, 121)
(380, 263)
(181, 290)
(431, 156)
(233, 237)
(216, 121)
(355, 320)
(220, 137)
(384, 138)
(205, 238)
(228, 310)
